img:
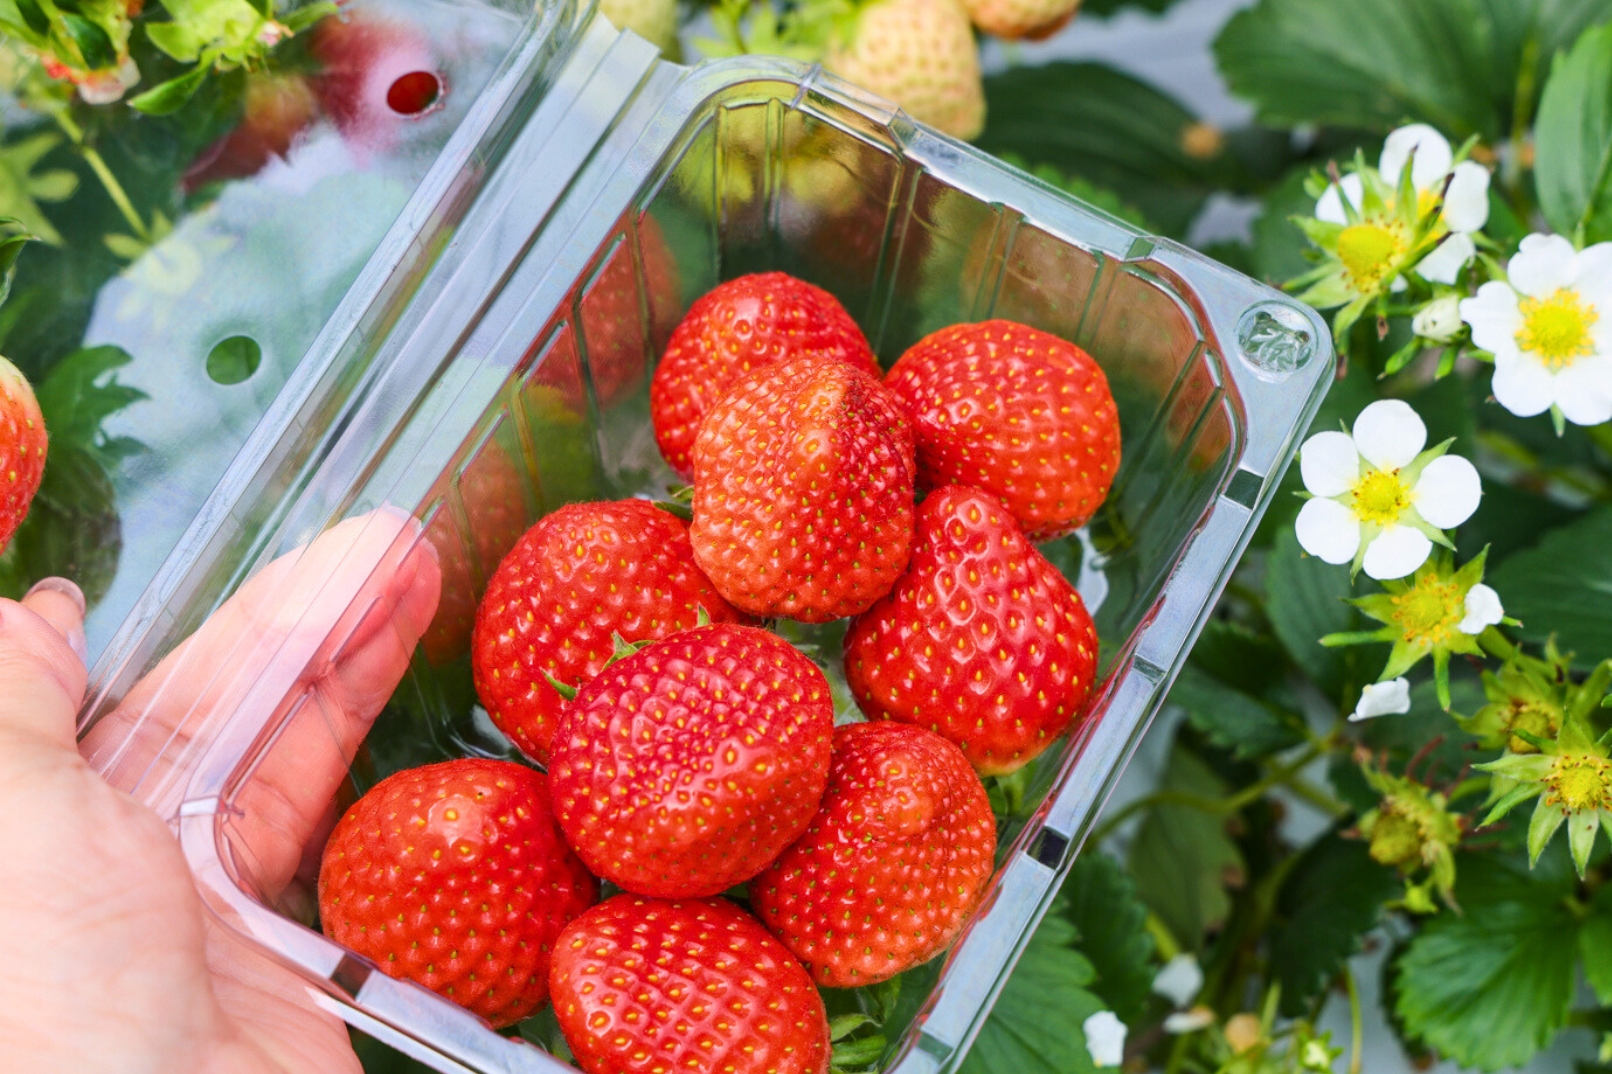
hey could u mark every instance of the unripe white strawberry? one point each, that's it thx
(1015, 19)
(921, 55)
(653, 20)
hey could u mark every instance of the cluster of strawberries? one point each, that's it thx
(702, 753)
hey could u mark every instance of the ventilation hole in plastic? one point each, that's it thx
(234, 359)
(413, 93)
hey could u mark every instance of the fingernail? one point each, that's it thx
(66, 588)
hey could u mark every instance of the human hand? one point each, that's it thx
(114, 962)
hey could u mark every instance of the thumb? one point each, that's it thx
(42, 674)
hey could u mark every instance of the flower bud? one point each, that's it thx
(1439, 320)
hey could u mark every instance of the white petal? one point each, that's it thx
(1447, 259)
(1482, 609)
(1466, 202)
(1494, 317)
(1329, 530)
(1544, 264)
(1382, 699)
(1433, 155)
(1395, 552)
(1329, 464)
(1105, 1038)
(1584, 391)
(1179, 980)
(1189, 1021)
(1522, 385)
(1592, 279)
(1389, 434)
(1447, 492)
(1330, 206)
(1439, 320)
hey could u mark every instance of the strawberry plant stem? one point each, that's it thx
(114, 189)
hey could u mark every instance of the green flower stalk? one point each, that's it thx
(1436, 612)
(1571, 776)
(1412, 830)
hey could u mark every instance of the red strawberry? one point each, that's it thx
(22, 449)
(454, 876)
(643, 985)
(685, 768)
(893, 864)
(377, 73)
(743, 324)
(982, 640)
(580, 575)
(492, 493)
(278, 108)
(1014, 411)
(803, 491)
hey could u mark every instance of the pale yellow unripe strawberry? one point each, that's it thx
(653, 20)
(1015, 19)
(921, 55)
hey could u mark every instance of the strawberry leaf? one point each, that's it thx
(170, 96)
(80, 393)
(1101, 902)
(1182, 856)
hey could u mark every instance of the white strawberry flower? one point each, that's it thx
(1466, 198)
(1383, 699)
(1550, 330)
(1105, 1038)
(1179, 980)
(1481, 610)
(1378, 500)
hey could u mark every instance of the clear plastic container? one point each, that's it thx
(512, 377)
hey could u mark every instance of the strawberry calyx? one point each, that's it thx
(623, 649)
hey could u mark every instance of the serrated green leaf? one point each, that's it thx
(77, 397)
(1573, 140)
(1035, 1027)
(1108, 128)
(176, 39)
(1231, 719)
(1304, 599)
(1368, 63)
(1490, 986)
(1332, 898)
(1561, 586)
(1182, 857)
(169, 96)
(1252, 662)
(22, 189)
(1109, 919)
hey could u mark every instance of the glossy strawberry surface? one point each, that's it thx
(893, 863)
(741, 325)
(685, 768)
(1017, 412)
(455, 876)
(803, 484)
(22, 449)
(982, 640)
(646, 986)
(580, 575)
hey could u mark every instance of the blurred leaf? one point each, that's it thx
(1527, 35)
(1112, 130)
(1253, 663)
(169, 96)
(1101, 902)
(72, 530)
(1404, 735)
(1278, 244)
(93, 42)
(1562, 586)
(1230, 718)
(80, 393)
(1109, 7)
(1445, 408)
(1367, 63)
(1331, 899)
(176, 39)
(1088, 192)
(1304, 600)
(22, 189)
(1489, 987)
(1035, 1027)
(378, 1058)
(1595, 945)
(1508, 520)
(1573, 140)
(14, 236)
(1182, 857)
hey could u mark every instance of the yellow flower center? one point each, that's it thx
(1380, 497)
(1557, 328)
(1579, 782)
(1429, 611)
(1370, 252)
